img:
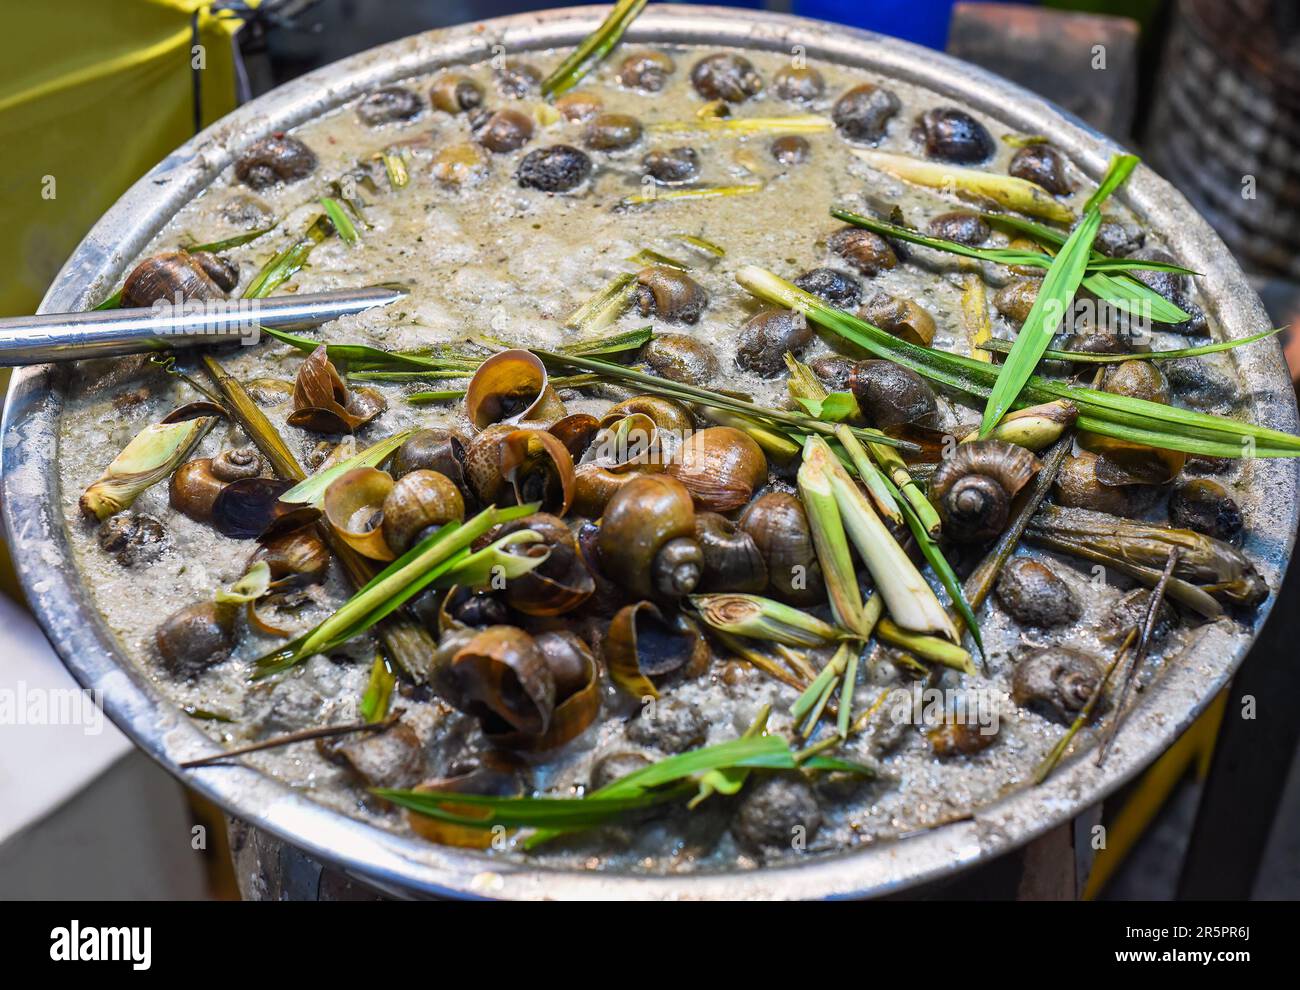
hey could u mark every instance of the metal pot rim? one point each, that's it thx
(405, 866)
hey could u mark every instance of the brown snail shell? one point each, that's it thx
(195, 485)
(891, 395)
(669, 294)
(732, 561)
(681, 358)
(483, 463)
(778, 525)
(538, 468)
(901, 317)
(500, 676)
(436, 449)
(865, 250)
(1035, 595)
(720, 467)
(492, 779)
(647, 538)
(558, 585)
(647, 71)
(323, 404)
(577, 693)
(419, 502)
(509, 387)
(611, 132)
(579, 106)
(767, 336)
(197, 637)
(974, 486)
(460, 165)
(1077, 485)
(453, 92)
(953, 738)
(273, 159)
(165, 277)
(354, 508)
(1205, 506)
(646, 650)
(505, 131)
(299, 556)
(1055, 681)
(576, 431)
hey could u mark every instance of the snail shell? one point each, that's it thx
(973, 487)
(1055, 681)
(778, 525)
(179, 274)
(647, 538)
(720, 467)
(646, 650)
(418, 503)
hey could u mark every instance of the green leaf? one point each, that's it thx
(342, 222)
(1045, 316)
(1086, 357)
(288, 262)
(837, 407)
(1117, 173)
(311, 491)
(216, 247)
(379, 691)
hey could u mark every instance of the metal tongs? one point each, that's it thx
(168, 325)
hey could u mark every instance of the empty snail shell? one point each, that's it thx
(732, 561)
(669, 294)
(974, 486)
(1055, 681)
(646, 649)
(296, 557)
(778, 525)
(720, 467)
(559, 584)
(500, 676)
(323, 404)
(354, 507)
(421, 501)
(455, 93)
(577, 693)
(198, 636)
(509, 387)
(647, 538)
(179, 274)
(277, 158)
(538, 468)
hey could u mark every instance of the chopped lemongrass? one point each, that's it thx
(975, 314)
(647, 256)
(395, 167)
(288, 262)
(312, 490)
(1005, 190)
(1083, 357)
(255, 583)
(930, 648)
(803, 123)
(1033, 427)
(869, 473)
(700, 244)
(605, 306)
(832, 546)
(846, 695)
(759, 659)
(342, 222)
(151, 456)
(630, 340)
(494, 562)
(1023, 140)
(593, 49)
(216, 247)
(698, 192)
(756, 617)
(825, 680)
(1122, 417)
(379, 691)
(909, 599)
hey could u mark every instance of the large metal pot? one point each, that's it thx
(406, 866)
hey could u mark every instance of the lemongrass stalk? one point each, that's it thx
(870, 475)
(395, 167)
(379, 691)
(594, 49)
(797, 661)
(975, 313)
(760, 660)
(895, 469)
(1084, 357)
(698, 192)
(1005, 190)
(825, 679)
(930, 648)
(700, 244)
(756, 617)
(802, 123)
(311, 491)
(831, 543)
(910, 600)
(342, 222)
(605, 306)
(647, 256)
(152, 455)
(824, 699)
(846, 695)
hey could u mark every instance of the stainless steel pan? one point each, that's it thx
(405, 866)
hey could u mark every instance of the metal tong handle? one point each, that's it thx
(112, 332)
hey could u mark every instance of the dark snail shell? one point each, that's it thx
(505, 131)
(672, 165)
(791, 149)
(516, 79)
(433, 449)
(953, 738)
(612, 767)
(389, 105)
(178, 274)
(1078, 485)
(1055, 681)
(559, 168)
(454, 93)
(834, 370)
(863, 113)
(278, 158)
(900, 316)
(778, 525)
(721, 467)
(1035, 595)
(245, 509)
(459, 607)
(1138, 380)
(953, 135)
(577, 693)
(500, 676)
(891, 395)
(132, 538)
(418, 504)
(868, 252)
(299, 556)
(831, 286)
(798, 84)
(773, 810)
(1043, 165)
(767, 336)
(680, 357)
(492, 778)
(197, 637)
(195, 485)
(961, 226)
(1174, 287)
(579, 106)
(726, 76)
(646, 71)
(562, 582)
(1015, 299)
(974, 486)
(674, 726)
(611, 132)
(732, 561)
(391, 757)
(647, 538)
(1206, 507)
(669, 294)
(646, 650)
